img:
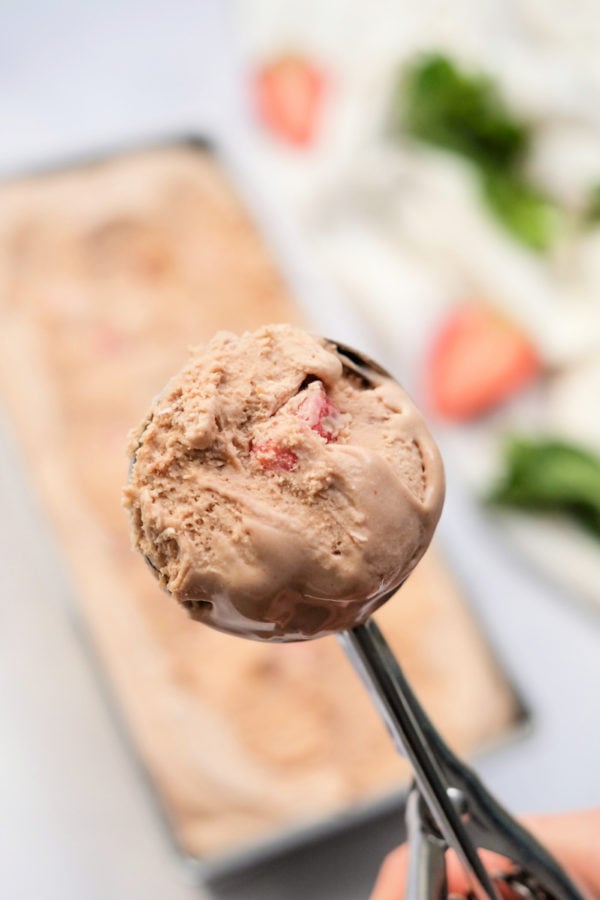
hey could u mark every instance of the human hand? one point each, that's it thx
(573, 838)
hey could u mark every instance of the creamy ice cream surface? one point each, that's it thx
(278, 492)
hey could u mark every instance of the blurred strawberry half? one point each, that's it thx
(478, 359)
(288, 95)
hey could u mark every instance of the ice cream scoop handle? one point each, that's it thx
(404, 717)
(455, 805)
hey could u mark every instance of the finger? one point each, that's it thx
(573, 838)
(391, 881)
(458, 881)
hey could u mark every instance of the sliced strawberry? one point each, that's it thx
(288, 94)
(271, 456)
(478, 359)
(316, 409)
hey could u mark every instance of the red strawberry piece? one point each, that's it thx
(272, 456)
(316, 409)
(288, 94)
(479, 359)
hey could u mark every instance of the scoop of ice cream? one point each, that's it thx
(276, 492)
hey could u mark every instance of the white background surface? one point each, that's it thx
(77, 821)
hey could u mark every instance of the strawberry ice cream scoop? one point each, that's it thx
(279, 491)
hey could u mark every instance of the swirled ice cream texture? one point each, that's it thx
(275, 492)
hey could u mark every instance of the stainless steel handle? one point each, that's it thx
(463, 812)
(408, 725)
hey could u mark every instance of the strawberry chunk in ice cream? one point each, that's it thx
(310, 410)
(314, 407)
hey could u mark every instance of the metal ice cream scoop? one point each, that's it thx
(448, 806)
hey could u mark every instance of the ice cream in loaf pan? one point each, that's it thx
(278, 494)
(107, 273)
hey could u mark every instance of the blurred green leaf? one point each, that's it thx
(591, 213)
(551, 476)
(437, 102)
(526, 212)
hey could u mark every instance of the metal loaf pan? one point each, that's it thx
(378, 813)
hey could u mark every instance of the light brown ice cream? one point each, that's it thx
(275, 492)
